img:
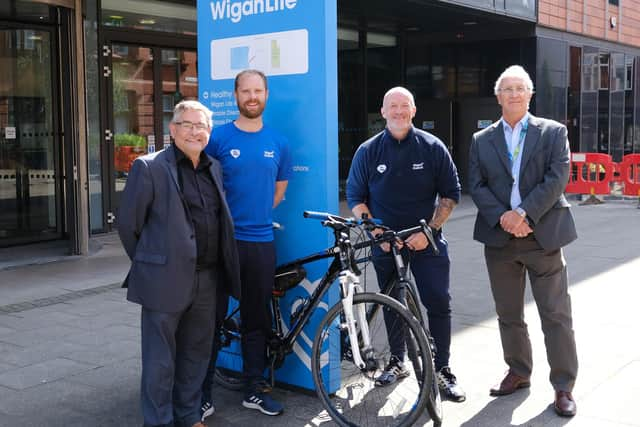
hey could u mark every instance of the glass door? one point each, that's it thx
(144, 83)
(132, 109)
(30, 178)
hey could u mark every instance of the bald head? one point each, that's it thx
(401, 91)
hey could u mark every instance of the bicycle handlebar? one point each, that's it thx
(387, 236)
(324, 216)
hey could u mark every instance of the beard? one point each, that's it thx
(251, 114)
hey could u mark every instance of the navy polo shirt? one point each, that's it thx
(400, 180)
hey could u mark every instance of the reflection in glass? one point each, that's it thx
(152, 15)
(616, 110)
(29, 180)
(179, 80)
(351, 132)
(132, 107)
(589, 100)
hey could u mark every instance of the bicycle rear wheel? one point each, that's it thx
(348, 392)
(434, 403)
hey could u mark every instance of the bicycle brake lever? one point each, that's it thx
(429, 233)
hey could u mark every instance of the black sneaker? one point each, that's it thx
(263, 403)
(394, 371)
(449, 386)
(206, 410)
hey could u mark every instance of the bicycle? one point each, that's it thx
(355, 333)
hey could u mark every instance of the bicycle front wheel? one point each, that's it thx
(434, 403)
(348, 392)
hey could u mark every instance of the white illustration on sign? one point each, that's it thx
(281, 53)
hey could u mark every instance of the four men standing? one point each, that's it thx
(176, 227)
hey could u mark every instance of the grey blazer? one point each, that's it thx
(157, 233)
(544, 173)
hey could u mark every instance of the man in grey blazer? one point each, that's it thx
(518, 170)
(176, 228)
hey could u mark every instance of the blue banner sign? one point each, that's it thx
(294, 42)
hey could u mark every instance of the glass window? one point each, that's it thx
(150, 15)
(92, 76)
(589, 100)
(604, 71)
(351, 98)
(551, 79)
(616, 106)
(383, 73)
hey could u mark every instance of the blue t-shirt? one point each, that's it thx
(251, 162)
(400, 180)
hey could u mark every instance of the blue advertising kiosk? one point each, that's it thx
(294, 42)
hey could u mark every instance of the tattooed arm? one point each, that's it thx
(442, 213)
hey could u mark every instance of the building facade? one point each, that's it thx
(86, 86)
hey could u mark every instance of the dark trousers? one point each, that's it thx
(222, 306)
(176, 349)
(257, 270)
(548, 275)
(431, 275)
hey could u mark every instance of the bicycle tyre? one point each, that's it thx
(434, 403)
(356, 400)
(228, 379)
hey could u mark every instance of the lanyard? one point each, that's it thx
(513, 157)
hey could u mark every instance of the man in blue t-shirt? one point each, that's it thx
(400, 176)
(256, 166)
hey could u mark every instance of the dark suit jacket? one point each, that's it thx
(544, 172)
(158, 235)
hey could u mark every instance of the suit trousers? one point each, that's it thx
(548, 275)
(176, 350)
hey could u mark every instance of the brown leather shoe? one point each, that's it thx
(509, 384)
(564, 404)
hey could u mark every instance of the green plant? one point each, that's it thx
(130, 139)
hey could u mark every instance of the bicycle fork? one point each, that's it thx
(350, 284)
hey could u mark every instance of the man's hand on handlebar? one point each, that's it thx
(417, 241)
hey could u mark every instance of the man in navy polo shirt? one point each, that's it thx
(400, 176)
(255, 166)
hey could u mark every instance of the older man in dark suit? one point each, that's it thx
(175, 226)
(518, 169)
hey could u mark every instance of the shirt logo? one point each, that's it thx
(381, 168)
(235, 153)
(268, 154)
(418, 166)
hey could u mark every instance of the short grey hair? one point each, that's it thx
(513, 71)
(402, 90)
(183, 106)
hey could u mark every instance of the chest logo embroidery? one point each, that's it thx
(381, 168)
(235, 153)
(418, 166)
(268, 154)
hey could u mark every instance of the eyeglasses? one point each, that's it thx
(514, 90)
(189, 126)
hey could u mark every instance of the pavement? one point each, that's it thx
(70, 349)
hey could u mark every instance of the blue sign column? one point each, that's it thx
(294, 42)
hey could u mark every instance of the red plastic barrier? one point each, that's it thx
(630, 174)
(591, 173)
